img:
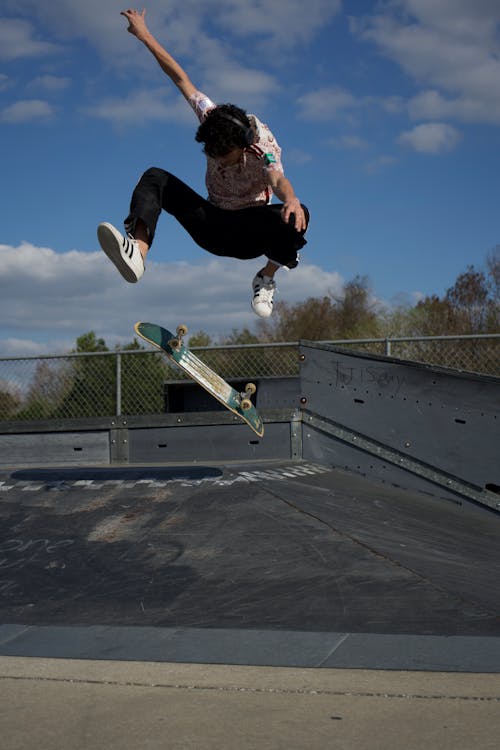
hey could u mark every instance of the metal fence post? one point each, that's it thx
(388, 347)
(118, 384)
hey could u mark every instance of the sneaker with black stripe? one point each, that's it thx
(263, 293)
(123, 251)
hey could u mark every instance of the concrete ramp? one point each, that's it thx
(278, 563)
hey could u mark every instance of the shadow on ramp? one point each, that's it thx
(128, 473)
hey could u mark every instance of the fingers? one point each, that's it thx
(300, 223)
(298, 214)
(135, 20)
(285, 213)
(133, 12)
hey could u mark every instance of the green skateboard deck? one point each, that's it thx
(175, 349)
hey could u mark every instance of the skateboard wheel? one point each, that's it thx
(182, 330)
(250, 389)
(175, 344)
(245, 404)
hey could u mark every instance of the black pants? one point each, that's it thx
(244, 233)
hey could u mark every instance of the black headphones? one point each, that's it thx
(248, 133)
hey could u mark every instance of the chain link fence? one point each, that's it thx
(108, 384)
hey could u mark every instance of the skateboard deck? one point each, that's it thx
(175, 349)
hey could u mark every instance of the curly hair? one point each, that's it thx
(219, 134)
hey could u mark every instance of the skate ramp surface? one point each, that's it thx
(280, 563)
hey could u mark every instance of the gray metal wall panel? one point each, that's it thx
(208, 443)
(325, 449)
(278, 393)
(272, 393)
(55, 448)
(445, 419)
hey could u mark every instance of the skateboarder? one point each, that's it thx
(243, 171)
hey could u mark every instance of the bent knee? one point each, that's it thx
(155, 173)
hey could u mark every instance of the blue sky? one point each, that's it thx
(388, 115)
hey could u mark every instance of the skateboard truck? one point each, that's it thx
(245, 402)
(177, 342)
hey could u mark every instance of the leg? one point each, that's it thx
(269, 269)
(142, 237)
(283, 243)
(159, 190)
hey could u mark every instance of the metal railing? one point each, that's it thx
(130, 382)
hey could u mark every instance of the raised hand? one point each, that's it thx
(137, 23)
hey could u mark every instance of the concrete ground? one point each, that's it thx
(131, 603)
(58, 704)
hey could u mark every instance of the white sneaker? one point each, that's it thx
(122, 251)
(263, 292)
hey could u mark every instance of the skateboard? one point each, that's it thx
(175, 349)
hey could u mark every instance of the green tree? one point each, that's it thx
(470, 306)
(200, 339)
(10, 401)
(355, 313)
(88, 342)
(351, 314)
(312, 319)
(93, 390)
(469, 300)
(242, 337)
(143, 381)
(50, 385)
(493, 274)
(431, 316)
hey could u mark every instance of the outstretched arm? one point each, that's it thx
(137, 27)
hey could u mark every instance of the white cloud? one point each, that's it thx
(211, 58)
(282, 24)
(50, 82)
(154, 105)
(336, 103)
(52, 298)
(431, 104)
(17, 40)
(207, 36)
(379, 163)
(25, 347)
(248, 87)
(26, 110)
(298, 156)
(327, 103)
(451, 47)
(349, 142)
(5, 82)
(69, 18)
(463, 18)
(431, 138)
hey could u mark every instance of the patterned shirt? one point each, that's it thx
(246, 183)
